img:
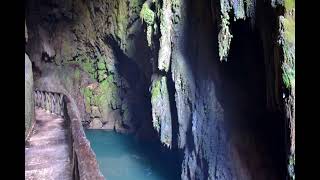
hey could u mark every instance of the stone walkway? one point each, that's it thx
(47, 152)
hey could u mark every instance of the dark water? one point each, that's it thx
(122, 157)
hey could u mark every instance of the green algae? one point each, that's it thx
(288, 42)
(88, 94)
(289, 4)
(101, 65)
(146, 14)
(155, 91)
(122, 20)
(107, 93)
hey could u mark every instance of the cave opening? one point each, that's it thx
(245, 100)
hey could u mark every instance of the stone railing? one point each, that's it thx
(84, 164)
(50, 101)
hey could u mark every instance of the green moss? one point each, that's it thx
(156, 91)
(135, 5)
(289, 4)
(289, 29)
(101, 65)
(122, 19)
(87, 64)
(288, 66)
(291, 166)
(87, 93)
(146, 14)
(288, 75)
(107, 94)
(102, 74)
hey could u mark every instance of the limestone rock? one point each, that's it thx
(95, 111)
(115, 115)
(161, 114)
(165, 40)
(108, 125)
(96, 123)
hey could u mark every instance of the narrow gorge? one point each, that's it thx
(207, 86)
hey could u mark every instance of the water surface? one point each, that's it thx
(122, 157)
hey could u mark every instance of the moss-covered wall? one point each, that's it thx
(92, 39)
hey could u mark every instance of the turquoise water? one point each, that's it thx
(122, 157)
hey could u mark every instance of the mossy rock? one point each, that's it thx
(146, 14)
(101, 65)
(122, 20)
(87, 64)
(288, 75)
(289, 29)
(102, 75)
(88, 94)
(289, 4)
(156, 91)
(288, 66)
(107, 93)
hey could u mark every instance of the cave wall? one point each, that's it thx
(201, 37)
(87, 49)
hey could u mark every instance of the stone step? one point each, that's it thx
(57, 171)
(41, 143)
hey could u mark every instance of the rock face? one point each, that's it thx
(96, 124)
(161, 113)
(29, 101)
(214, 79)
(88, 50)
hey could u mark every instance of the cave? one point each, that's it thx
(244, 97)
(167, 89)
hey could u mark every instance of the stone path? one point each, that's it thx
(47, 151)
